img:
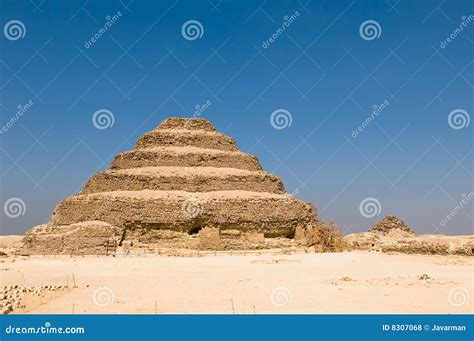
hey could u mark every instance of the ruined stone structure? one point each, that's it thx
(184, 185)
(391, 234)
(391, 224)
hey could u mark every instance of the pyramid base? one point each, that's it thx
(100, 238)
(85, 238)
(178, 211)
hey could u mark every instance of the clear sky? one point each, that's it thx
(323, 65)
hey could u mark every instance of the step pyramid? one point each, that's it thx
(183, 185)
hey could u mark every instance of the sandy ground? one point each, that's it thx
(350, 282)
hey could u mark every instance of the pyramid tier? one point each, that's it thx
(190, 179)
(182, 138)
(186, 123)
(274, 215)
(185, 157)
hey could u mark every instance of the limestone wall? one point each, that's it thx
(185, 157)
(185, 179)
(273, 215)
(182, 138)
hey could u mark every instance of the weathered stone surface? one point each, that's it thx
(186, 124)
(185, 157)
(183, 186)
(181, 138)
(89, 237)
(273, 214)
(256, 237)
(391, 224)
(190, 179)
(392, 235)
(301, 236)
(209, 239)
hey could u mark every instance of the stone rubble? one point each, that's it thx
(390, 224)
(12, 296)
(391, 234)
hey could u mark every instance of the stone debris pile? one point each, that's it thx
(12, 297)
(391, 234)
(389, 224)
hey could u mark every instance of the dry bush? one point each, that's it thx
(327, 237)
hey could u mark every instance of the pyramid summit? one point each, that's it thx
(183, 185)
(390, 223)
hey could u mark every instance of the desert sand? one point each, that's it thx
(257, 282)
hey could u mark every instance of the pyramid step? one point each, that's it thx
(181, 138)
(190, 179)
(185, 157)
(186, 124)
(275, 215)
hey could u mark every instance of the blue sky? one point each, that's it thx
(322, 70)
